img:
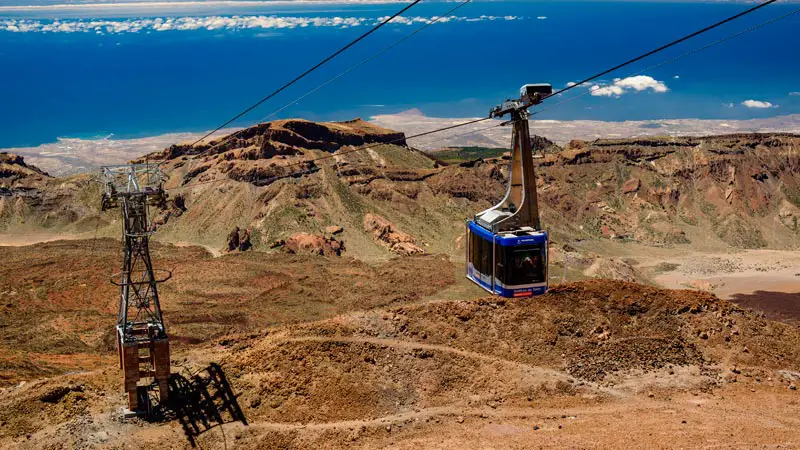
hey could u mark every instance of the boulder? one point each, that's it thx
(387, 234)
(306, 243)
(334, 229)
(239, 240)
(631, 186)
(407, 249)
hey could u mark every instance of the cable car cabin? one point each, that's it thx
(506, 246)
(509, 264)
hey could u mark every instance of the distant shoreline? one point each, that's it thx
(69, 156)
(563, 131)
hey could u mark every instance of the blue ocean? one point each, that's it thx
(145, 70)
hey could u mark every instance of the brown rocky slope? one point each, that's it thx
(740, 191)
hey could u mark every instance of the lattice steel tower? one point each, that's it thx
(141, 336)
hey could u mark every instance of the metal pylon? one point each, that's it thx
(141, 336)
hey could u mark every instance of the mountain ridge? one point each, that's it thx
(728, 189)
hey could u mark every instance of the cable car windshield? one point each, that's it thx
(524, 265)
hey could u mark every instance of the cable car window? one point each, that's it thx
(481, 254)
(524, 265)
(486, 257)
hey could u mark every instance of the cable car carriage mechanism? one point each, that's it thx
(506, 246)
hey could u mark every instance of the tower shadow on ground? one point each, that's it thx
(199, 403)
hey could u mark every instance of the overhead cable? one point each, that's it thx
(681, 56)
(572, 86)
(315, 67)
(348, 70)
(666, 46)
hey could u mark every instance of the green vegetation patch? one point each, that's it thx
(792, 194)
(455, 155)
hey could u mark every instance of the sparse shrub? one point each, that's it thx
(792, 194)
(663, 267)
(737, 233)
(308, 190)
(708, 209)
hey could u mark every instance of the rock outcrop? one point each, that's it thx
(259, 153)
(306, 243)
(239, 240)
(13, 167)
(386, 233)
(174, 207)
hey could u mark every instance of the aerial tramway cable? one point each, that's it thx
(682, 55)
(666, 46)
(315, 67)
(333, 155)
(433, 21)
(593, 77)
(349, 69)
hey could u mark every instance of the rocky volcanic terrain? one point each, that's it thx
(331, 294)
(575, 367)
(741, 191)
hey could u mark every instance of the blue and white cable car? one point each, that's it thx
(506, 246)
(512, 264)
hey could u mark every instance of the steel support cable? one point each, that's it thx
(315, 67)
(347, 71)
(653, 67)
(333, 155)
(666, 46)
(681, 56)
(370, 58)
(663, 63)
(593, 77)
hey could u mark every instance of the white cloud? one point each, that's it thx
(607, 91)
(98, 26)
(758, 104)
(641, 83)
(794, 94)
(620, 86)
(677, 77)
(571, 83)
(542, 18)
(728, 105)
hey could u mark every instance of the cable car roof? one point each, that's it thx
(523, 236)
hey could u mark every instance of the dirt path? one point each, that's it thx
(543, 373)
(213, 251)
(426, 413)
(30, 238)
(730, 418)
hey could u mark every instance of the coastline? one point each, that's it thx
(488, 134)
(73, 156)
(70, 156)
